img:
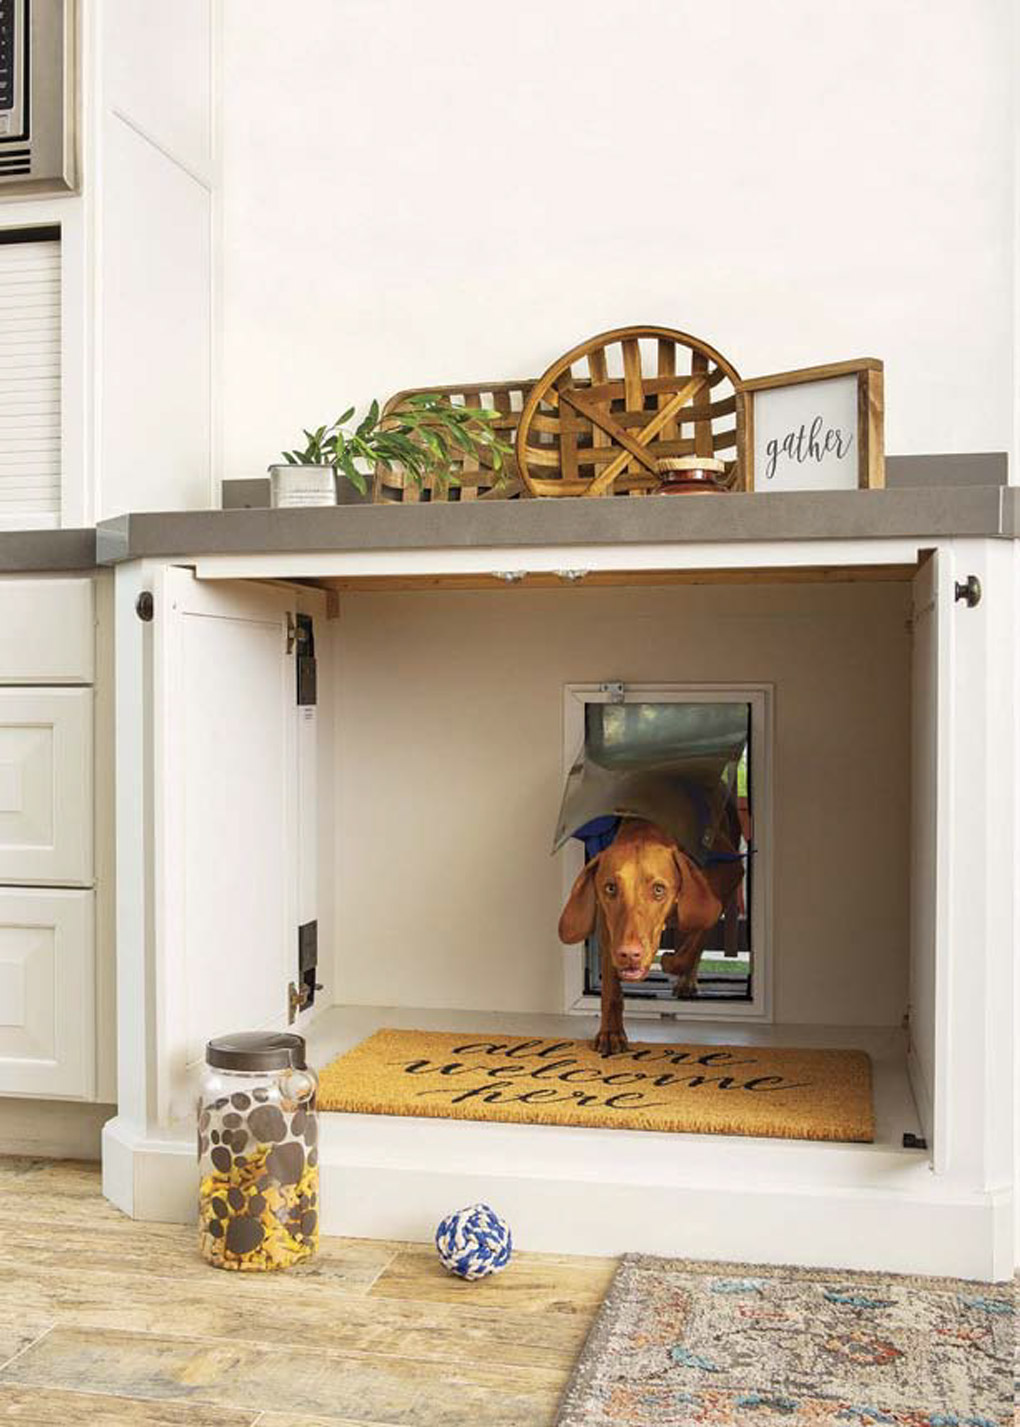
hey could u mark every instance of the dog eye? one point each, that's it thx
(610, 889)
(659, 891)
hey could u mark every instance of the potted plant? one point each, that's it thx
(422, 434)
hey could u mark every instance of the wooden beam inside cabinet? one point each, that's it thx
(598, 579)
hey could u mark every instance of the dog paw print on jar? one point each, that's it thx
(258, 1156)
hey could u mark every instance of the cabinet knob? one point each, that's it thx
(969, 591)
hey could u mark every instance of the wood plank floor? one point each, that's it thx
(105, 1321)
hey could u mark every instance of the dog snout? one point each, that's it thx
(630, 960)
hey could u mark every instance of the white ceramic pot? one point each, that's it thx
(301, 485)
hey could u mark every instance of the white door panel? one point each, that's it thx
(46, 785)
(224, 793)
(47, 1028)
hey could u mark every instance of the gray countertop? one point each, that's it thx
(46, 551)
(905, 511)
(989, 511)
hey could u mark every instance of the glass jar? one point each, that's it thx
(258, 1198)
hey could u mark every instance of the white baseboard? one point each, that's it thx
(386, 1180)
(52, 1129)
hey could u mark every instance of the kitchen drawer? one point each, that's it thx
(47, 996)
(46, 785)
(47, 631)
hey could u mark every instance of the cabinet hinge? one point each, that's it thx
(301, 994)
(307, 694)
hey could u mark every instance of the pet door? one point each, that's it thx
(689, 767)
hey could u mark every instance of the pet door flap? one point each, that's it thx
(674, 764)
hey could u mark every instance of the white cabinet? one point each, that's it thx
(46, 809)
(56, 876)
(441, 751)
(47, 631)
(47, 979)
(116, 353)
(224, 748)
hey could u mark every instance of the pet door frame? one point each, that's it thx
(760, 697)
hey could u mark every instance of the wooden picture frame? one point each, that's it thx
(817, 428)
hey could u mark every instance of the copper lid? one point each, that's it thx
(665, 464)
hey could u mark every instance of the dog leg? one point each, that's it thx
(611, 1037)
(683, 964)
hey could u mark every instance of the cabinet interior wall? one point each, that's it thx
(448, 750)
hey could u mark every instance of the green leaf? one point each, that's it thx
(342, 420)
(435, 446)
(357, 480)
(370, 420)
(462, 439)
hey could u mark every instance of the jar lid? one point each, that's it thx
(257, 1050)
(665, 464)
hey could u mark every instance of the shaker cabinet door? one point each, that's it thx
(224, 692)
(47, 1010)
(46, 786)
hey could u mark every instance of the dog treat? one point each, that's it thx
(259, 1180)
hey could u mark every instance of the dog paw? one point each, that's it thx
(610, 1042)
(686, 988)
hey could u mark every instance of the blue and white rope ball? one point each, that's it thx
(474, 1242)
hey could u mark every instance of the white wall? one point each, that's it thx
(417, 194)
(449, 778)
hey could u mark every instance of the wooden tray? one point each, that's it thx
(475, 479)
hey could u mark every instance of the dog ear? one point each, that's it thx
(577, 920)
(697, 907)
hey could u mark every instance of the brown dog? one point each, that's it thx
(628, 892)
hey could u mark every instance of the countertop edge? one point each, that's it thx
(40, 552)
(912, 512)
(934, 511)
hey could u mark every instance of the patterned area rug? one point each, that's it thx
(723, 1345)
(701, 1089)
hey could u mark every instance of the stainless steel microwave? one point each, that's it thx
(38, 97)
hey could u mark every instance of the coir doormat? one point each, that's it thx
(700, 1089)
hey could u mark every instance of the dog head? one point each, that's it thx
(635, 884)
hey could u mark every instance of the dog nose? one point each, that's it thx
(630, 958)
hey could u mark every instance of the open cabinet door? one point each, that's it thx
(224, 806)
(929, 704)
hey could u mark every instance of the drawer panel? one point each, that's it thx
(47, 993)
(47, 631)
(46, 785)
